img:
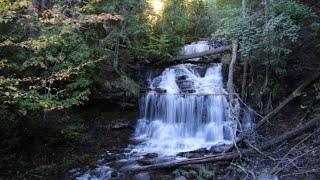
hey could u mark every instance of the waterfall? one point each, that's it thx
(184, 111)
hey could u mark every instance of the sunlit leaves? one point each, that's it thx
(49, 70)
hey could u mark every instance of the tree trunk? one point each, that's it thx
(31, 11)
(116, 55)
(230, 84)
(245, 65)
(244, 81)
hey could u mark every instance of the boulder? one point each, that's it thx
(159, 90)
(145, 162)
(194, 154)
(182, 78)
(218, 149)
(151, 155)
(114, 174)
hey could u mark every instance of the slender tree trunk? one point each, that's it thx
(116, 55)
(30, 30)
(230, 84)
(245, 65)
(244, 81)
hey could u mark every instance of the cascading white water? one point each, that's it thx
(184, 112)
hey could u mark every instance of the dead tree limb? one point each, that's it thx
(312, 124)
(292, 96)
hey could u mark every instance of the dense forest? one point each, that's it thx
(72, 72)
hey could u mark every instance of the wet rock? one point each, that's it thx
(114, 174)
(182, 78)
(217, 149)
(190, 155)
(141, 176)
(145, 162)
(151, 155)
(188, 91)
(145, 90)
(159, 90)
(201, 150)
(194, 154)
(185, 84)
(267, 177)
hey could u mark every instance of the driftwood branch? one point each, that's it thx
(312, 124)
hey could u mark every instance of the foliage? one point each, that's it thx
(51, 70)
(271, 30)
(317, 89)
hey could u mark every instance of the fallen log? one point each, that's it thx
(307, 127)
(197, 55)
(292, 96)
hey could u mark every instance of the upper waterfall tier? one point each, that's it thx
(185, 78)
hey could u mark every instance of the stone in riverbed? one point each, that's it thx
(218, 149)
(182, 78)
(201, 150)
(151, 155)
(145, 162)
(194, 154)
(114, 174)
